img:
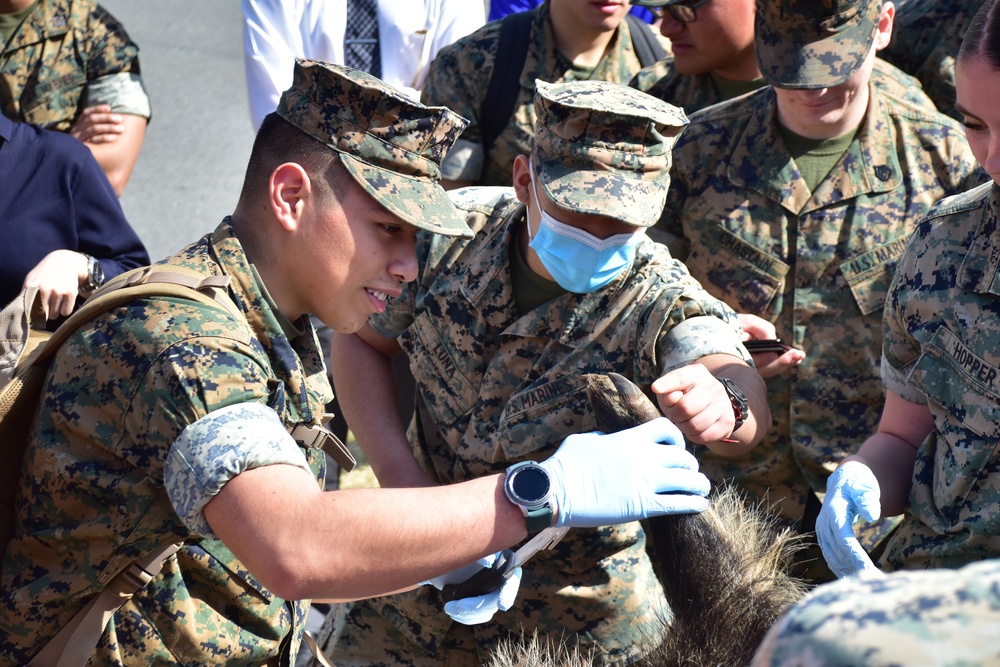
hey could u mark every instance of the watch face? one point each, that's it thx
(98, 273)
(531, 485)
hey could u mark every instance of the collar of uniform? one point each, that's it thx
(761, 163)
(980, 270)
(295, 362)
(47, 20)
(542, 60)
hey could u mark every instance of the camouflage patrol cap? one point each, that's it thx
(604, 149)
(391, 145)
(813, 44)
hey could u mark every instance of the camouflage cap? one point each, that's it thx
(391, 145)
(604, 148)
(813, 44)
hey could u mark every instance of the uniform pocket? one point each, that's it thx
(868, 275)
(448, 396)
(743, 274)
(542, 415)
(961, 389)
(53, 103)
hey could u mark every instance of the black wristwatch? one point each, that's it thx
(741, 407)
(527, 486)
(95, 275)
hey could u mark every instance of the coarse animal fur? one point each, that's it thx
(724, 570)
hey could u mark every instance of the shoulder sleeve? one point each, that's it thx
(217, 448)
(110, 50)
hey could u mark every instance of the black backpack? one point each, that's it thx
(512, 50)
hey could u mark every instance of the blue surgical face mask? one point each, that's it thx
(580, 262)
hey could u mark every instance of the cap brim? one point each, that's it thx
(613, 194)
(820, 63)
(422, 203)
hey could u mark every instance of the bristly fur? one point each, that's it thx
(724, 570)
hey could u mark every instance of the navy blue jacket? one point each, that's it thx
(54, 195)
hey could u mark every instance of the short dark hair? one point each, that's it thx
(982, 38)
(277, 142)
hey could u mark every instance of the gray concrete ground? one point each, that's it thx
(191, 166)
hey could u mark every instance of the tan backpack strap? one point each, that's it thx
(15, 324)
(320, 437)
(75, 643)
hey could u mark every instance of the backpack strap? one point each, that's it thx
(23, 321)
(647, 48)
(501, 94)
(74, 644)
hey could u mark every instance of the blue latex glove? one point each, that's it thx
(470, 611)
(852, 492)
(600, 480)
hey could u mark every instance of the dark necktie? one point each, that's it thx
(361, 37)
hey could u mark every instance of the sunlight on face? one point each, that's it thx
(977, 93)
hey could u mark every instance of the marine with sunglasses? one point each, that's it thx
(793, 204)
(712, 56)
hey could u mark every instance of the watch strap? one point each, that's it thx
(741, 407)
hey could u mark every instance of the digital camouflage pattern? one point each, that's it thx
(604, 149)
(946, 618)
(816, 264)
(697, 91)
(92, 495)
(60, 48)
(391, 145)
(942, 320)
(495, 388)
(460, 74)
(926, 37)
(807, 44)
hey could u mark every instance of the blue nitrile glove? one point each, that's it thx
(851, 492)
(479, 609)
(600, 480)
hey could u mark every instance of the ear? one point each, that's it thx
(522, 179)
(885, 18)
(289, 188)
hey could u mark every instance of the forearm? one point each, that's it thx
(358, 543)
(117, 158)
(891, 459)
(366, 390)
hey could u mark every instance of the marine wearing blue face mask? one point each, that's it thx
(577, 260)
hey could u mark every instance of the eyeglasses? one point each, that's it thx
(685, 12)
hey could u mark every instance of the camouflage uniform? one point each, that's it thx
(151, 408)
(459, 77)
(65, 56)
(945, 618)
(816, 264)
(926, 37)
(496, 386)
(940, 349)
(160, 366)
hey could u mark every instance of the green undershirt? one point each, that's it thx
(728, 89)
(815, 158)
(530, 289)
(10, 22)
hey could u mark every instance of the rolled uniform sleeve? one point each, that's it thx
(218, 447)
(697, 337)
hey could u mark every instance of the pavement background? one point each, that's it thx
(190, 170)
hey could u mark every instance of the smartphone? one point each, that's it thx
(755, 346)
